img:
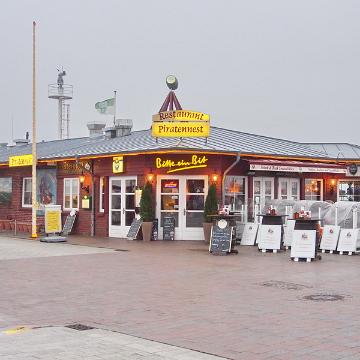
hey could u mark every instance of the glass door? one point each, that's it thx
(121, 205)
(289, 189)
(193, 207)
(182, 197)
(263, 191)
(169, 193)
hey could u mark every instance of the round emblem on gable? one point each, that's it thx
(353, 169)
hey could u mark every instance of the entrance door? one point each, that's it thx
(289, 189)
(121, 205)
(182, 197)
(263, 190)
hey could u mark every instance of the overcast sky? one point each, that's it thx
(281, 68)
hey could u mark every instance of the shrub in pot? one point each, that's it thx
(211, 208)
(147, 211)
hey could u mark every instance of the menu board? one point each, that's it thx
(220, 241)
(69, 222)
(330, 237)
(134, 229)
(288, 232)
(155, 229)
(168, 228)
(303, 244)
(249, 234)
(270, 237)
(348, 240)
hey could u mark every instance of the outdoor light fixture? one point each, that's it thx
(83, 187)
(332, 185)
(150, 177)
(171, 82)
(214, 177)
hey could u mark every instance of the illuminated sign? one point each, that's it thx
(171, 185)
(184, 115)
(22, 160)
(180, 129)
(118, 164)
(196, 161)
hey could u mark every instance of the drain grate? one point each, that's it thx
(79, 327)
(324, 297)
(284, 285)
(121, 250)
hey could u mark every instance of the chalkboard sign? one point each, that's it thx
(155, 229)
(220, 241)
(69, 222)
(134, 229)
(169, 228)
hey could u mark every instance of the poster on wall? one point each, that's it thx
(45, 188)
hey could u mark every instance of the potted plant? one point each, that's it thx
(211, 208)
(146, 211)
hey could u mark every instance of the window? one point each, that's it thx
(289, 189)
(235, 191)
(71, 193)
(101, 194)
(27, 192)
(349, 190)
(313, 189)
(5, 190)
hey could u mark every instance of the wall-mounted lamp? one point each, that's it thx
(214, 177)
(150, 177)
(332, 185)
(83, 187)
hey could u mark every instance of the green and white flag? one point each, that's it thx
(106, 107)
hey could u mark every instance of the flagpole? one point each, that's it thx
(33, 181)
(114, 106)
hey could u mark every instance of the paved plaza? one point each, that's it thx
(173, 300)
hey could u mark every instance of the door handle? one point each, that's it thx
(184, 211)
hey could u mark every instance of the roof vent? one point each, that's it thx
(122, 127)
(96, 128)
(21, 142)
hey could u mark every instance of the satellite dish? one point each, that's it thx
(171, 82)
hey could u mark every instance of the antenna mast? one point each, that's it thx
(62, 92)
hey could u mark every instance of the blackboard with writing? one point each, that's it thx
(168, 228)
(221, 238)
(155, 229)
(69, 223)
(134, 229)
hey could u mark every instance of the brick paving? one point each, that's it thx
(246, 306)
(59, 343)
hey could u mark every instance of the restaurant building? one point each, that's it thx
(109, 165)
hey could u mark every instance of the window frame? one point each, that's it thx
(321, 189)
(23, 193)
(338, 188)
(101, 194)
(71, 193)
(234, 194)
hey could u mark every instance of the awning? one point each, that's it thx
(295, 166)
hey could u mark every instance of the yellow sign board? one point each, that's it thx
(183, 115)
(196, 161)
(22, 160)
(118, 164)
(52, 219)
(180, 129)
